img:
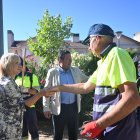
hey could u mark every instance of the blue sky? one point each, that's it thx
(21, 16)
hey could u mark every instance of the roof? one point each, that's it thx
(72, 44)
(75, 44)
(132, 40)
(16, 43)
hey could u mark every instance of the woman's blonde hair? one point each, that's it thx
(6, 63)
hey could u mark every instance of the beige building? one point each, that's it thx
(75, 43)
(19, 46)
(137, 36)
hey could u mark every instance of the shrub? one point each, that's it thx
(88, 64)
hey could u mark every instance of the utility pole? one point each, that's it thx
(118, 35)
(1, 29)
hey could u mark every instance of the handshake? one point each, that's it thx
(47, 92)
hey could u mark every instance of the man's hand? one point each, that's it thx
(53, 89)
(45, 92)
(47, 114)
(91, 130)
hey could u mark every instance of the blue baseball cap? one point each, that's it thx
(99, 30)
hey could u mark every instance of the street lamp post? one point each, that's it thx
(1, 29)
(118, 35)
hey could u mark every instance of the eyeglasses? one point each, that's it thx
(89, 39)
(91, 36)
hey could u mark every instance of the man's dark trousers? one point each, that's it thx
(69, 117)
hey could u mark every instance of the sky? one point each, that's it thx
(22, 16)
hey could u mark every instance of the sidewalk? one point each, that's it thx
(46, 131)
(45, 137)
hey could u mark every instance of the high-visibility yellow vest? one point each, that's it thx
(27, 82)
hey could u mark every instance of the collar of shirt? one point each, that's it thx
(107, 50)
(63, 71)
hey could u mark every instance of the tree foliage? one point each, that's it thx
(50, 37)
(88, 64)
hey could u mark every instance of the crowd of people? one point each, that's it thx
(116, 96)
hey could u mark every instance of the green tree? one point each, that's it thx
(50, 37)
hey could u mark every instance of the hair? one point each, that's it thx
(6, 63)
(62, 54)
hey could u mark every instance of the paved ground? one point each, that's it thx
(46, 131)
(44, 137)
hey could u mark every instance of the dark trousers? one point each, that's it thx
(69, 117)
(138, 113)
(30, 123)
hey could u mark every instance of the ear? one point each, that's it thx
(60, 60)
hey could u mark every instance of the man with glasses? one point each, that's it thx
(116, 96)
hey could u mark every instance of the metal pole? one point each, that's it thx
(1, 29)
(118, 35)
(118, 42)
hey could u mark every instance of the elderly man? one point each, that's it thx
(116, 96)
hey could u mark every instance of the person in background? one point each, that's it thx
(63, 106)
(11, 100)
(136, 60)
(116, 96)
(31, 87)
(138, 108)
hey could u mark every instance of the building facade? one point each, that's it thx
(75, 43)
